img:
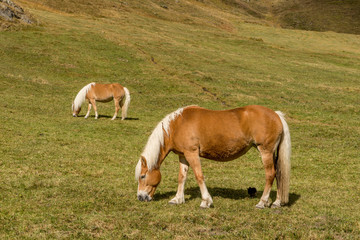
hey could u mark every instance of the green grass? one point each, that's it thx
(65, 177)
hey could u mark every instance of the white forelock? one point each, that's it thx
(138, 170)
(156, 140)
(80, 97)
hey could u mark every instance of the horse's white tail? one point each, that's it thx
(283, 162)
(125, 104)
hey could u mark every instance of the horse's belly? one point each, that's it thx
(104, 100)
(224, 153)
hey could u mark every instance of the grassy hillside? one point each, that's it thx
(65, 177)
(321, 15)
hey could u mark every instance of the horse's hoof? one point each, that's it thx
(275, 206)
(173, 203)
(176, 201)
(206, 204)
(260, 206)
(206, 207)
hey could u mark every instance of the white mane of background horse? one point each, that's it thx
(80, 97)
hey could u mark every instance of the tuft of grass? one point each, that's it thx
(65, 177)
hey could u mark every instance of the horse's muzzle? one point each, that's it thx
(144, 198)
(74, 115)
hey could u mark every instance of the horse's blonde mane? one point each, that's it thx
(80, 97)
(156, 140)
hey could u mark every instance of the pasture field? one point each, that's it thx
(70, 178)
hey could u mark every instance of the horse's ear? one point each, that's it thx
(143, 162)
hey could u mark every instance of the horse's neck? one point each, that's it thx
(164, 151)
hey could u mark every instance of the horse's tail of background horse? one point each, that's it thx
(283, 162)
(125, 103)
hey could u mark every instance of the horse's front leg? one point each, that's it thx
(88, 112)
(93, 103)
(194, 161)
(184, 167)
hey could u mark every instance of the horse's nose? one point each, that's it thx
(74, 115)
(144, 198)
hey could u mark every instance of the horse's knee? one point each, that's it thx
(199, 178)
(270, 175)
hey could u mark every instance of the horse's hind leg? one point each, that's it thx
(194, 161)
(268, 161)
(88, 112)
(184, 167)
(117, 108)
(123, 107)
(277, 203)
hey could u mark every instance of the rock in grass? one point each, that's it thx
(10, 11)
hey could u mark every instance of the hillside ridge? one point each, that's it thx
(323, 15)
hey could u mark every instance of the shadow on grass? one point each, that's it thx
(230, 193)
(105, 116)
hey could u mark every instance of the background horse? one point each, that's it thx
(193, 132)
(96, 92)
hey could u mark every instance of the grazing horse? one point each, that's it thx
(96, 92)
(193, 132)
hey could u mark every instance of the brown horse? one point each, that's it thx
(96, 92)
(193, 132)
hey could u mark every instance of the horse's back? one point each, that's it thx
(111, 87)
(248, 117)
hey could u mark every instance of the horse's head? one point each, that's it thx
(148, 180)
(75, 111)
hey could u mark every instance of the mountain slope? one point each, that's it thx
(323, 15)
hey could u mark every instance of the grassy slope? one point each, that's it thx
(73, 178)
(322, 15)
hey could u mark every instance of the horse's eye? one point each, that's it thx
(142, 176)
